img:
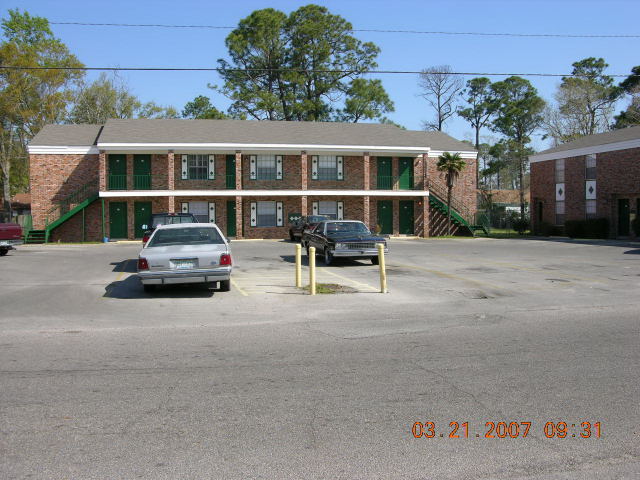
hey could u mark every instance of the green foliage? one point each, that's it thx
(590, 228)
(518, 115)
(388, 121)
(451, 164)
(630, 86)
(366, 99)
(519, 224)
(298, 65)
(107, 98)
(482, 105)
(548, 230)
(29, 99)
(201, 107)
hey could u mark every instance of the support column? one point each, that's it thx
(238, 170)
(239, 217)
(366, 181)
(129, 181)
(304, 172)
(425, 170)
(239, 212)
(395, 174)
(366, 212)
(396, 217)
(102, 171)
(131, 229)
(304, 205)
(425, 217)
(171, 180)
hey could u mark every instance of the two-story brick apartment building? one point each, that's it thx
(597, 176)
(249, 177)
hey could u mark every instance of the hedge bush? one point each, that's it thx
(547, 230)
(635, 224)
(590, 228)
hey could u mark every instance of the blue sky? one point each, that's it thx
(110, 46)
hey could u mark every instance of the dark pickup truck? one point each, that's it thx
(344, 239)
(299, 226)
(10, 236)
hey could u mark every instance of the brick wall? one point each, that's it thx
(617, 176)
(464, 188)
(55, 177)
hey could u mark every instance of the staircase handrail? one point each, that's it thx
(76, 197)
(441, 192)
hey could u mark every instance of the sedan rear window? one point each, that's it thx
(171, 219)
(185, 236)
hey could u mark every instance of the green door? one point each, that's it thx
(117, 172)
(385, 216)
(231, 218)
(142, 216)
(405, 167)
(231, 173)
(142, 172)
(623, 217)
(118, 224)
(385, 179)
(406, 217)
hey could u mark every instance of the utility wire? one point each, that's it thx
(261, 70)
(372, 30)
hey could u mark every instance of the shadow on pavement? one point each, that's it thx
(633, 252)
(127, 266)
(131, 288)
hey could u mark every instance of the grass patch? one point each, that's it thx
(329, 288)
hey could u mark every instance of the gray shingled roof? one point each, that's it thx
(615, 136)
(67, 135)
(248, 132)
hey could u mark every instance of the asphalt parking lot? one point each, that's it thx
(102, 380)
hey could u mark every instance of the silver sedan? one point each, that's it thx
(185, 253)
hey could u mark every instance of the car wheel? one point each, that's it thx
(374, 260)
(149, 288)
(328, 257)
(225, 285)
(292, 237)
(3, 251)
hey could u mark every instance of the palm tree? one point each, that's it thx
(451, 164)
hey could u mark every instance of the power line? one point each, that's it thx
(262, 70)
(368, 30)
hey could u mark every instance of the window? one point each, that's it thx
(186, 236)
(590, 208)
(266, 214)
(559, 213)
(590, 167)
(200, 211)
(328, 209)
(266, 167)
(327, 167)
(560, 170)
(197, 167)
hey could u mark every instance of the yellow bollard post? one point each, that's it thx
(298, 265)
(383, 271)
(312, 270)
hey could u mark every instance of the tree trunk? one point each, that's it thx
(6, 190)
(521, 179)
(477, 159)
(448, 210)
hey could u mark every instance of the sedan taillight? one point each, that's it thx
(225, 259)
(142, 264)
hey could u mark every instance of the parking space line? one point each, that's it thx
(237, 287)
(123, 271)
(355, 282)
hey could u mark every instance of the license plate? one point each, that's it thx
(184, 264)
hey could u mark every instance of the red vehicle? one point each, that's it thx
(10, 235)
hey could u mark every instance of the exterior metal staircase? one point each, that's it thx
(460, 214)
(64, 210)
